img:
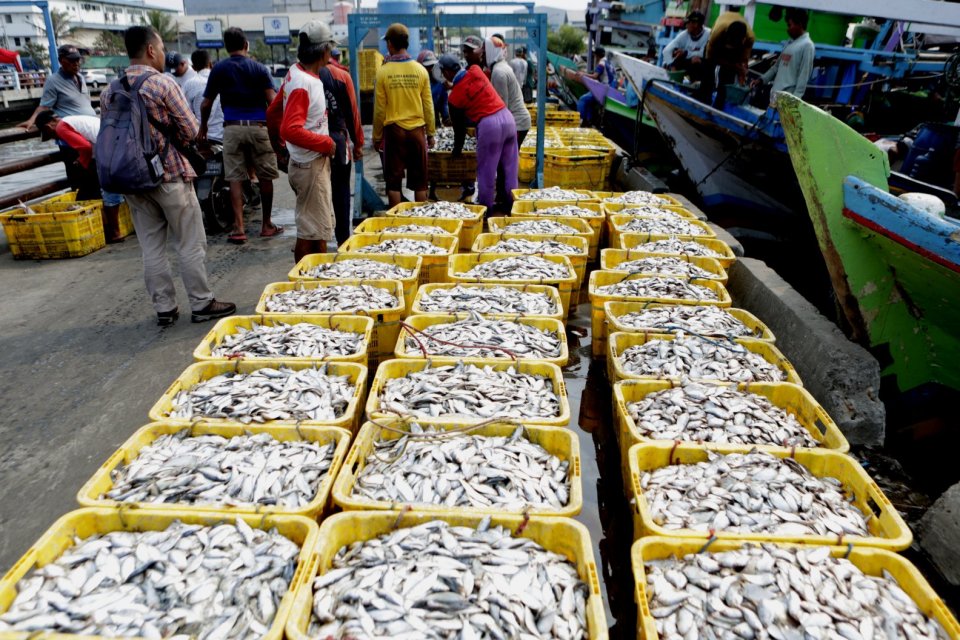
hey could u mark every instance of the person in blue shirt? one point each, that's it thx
(602, 72)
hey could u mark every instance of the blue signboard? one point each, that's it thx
(276, 30)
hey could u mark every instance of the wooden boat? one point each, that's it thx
(895, 268)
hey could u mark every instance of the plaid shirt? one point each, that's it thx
(167, 105)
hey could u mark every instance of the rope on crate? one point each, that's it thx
(423, 350)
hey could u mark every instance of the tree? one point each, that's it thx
(109, 44)
(261, 51)
(567, 41)
(164, 23)
(38, 52)
(61, 24)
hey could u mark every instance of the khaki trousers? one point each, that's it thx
(310, 181)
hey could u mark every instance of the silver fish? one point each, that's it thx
(566, 210)
(357, 269)
(437, 581)
(404, 246)
(699, 359)
(347, 297)
(440, 210)
(650, 211)
(665, 265)
(421, 229)
(717, 414)
(279, 340)
(637, 197)
(707, 321)
(444, 140)
(266, 394)
(766, 591)
(488, 300)
(212, 582)
(181, 468)
(657, 287)
(677, 246)
(665, 226)
(522, 245)
(549, 142)
(478, 337)
(539, 227)
(469, 391)
(519, 268)
(555, 194)
(752, 492)
(430, 466)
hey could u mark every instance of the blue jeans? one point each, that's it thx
(111, 199)
(585, 105)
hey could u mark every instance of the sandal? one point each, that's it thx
(273, 230)
(237, 238)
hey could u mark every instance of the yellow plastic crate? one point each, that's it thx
(84, 523)
(462, 263)
(444, 168)
(200, 371)
(576, 168)
(421, 322)
(498, 225)
(887, 529)
(630, 241)
(400, 368)
(610, 259)
(102, 481)
(604, 196)
(433, 267)
(616, 222)
(53, 231)
(620, 342)
(407, 262)
(370, 61)
(792, 398)
(232, 325)
(614, 208)
(554, 294)
(614, 310)
(873, 562)
(562, 443)
(567, 537)
(524, 209)
(598, 314)
(383, 224)
(386, 321)
(472, 227)
(579, 252)
(125, 219)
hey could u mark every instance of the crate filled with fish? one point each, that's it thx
(553, 270)
(636, 198)
(364, 267)
(468, 392)
(674, 226)
(587, 211)
(341, 338)
(495, 468)
(235, 469)
(410, 224)
(712, 322)
(616, 286)
(265, 392)
(620, 214)
(576, 248)
(682, 356)
(52, 231)
(381, 300)
(443, 167)
(813, 496)
(434, 250)
(521, 225)
(532, 578)
(470, 215)
(159, 574)
(124, 218)
(650, 264)
(452, 337)
(741, 589)
(506, 300)
(661, 244)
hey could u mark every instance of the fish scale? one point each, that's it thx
(403, 245)
(457, 470)
(677, 246)
(518, 268)
(440, 210)
(665, 226)
(553, 194)
(299, 340)
(522, 245)
(347, 297)
(449, 582)
(666, 265)
(637, 197)
(519, 340)
(540, 227)
(659, 287)
(488, 300)
(753, 493)
(224, 581)
(708, 321)
(212, 469)
(766, 591)
(691, 357)
(357, 269)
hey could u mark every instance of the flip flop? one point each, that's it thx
(275, 230)
(237, 238)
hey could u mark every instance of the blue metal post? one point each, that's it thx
(48, 24)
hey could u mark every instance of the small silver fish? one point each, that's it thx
(665, 265)
(658, 287)
(347, 297)
(478, 337)
(404, 246)
(677, 246)
(554, 194)
(522, 245)
(357, 269)
(279, 340)
(488, 300)
(698, 359)
(444, 140)
(440, 210)
(664, 226)
(706, 321)
(637, 197)
(539, 227)
(519, 268)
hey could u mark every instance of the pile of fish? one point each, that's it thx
(357, 269)
(266, 394)
(664, 226)
(565, 210)
(403, 245)
(637, 197)
(447, 582)
(440, 210)
(478, 337)
(668, 265)
(752, 492)
(347, 297)
(444, 140)
(697, 358)
(282, 340)
(508, 473)
(658, 288)
(522, 245)
(469, 391)
(708, 321)
(555, 194)
(677, 246)
(518, 268)
(224, 581)
(650, 211)
(540, 227)
(489, 300)
(530, 142)
(768, 591)
(242, 470)
(422, 229)
(710, 413)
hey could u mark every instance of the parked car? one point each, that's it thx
(98, 77)
(7, 76)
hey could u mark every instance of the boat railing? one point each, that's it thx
(13, 167)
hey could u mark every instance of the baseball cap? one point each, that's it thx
(317, 32)
(695, 16)
(335, 53)
(427, 58)
(396, 30)
(69, 52)
(449, 61)
(473, 42)
(173, 60)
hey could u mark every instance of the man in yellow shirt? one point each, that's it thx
(403, 120)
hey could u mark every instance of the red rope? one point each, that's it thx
(423, 349)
